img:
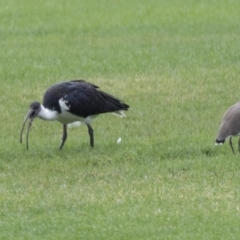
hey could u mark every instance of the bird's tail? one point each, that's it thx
(114, 105)
(119, 114)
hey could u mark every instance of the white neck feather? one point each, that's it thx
(47, 114)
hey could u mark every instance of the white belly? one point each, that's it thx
(66, 117)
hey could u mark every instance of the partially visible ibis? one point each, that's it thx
(230, 126)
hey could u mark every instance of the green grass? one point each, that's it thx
(176, 63)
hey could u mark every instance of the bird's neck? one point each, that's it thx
(47, 114)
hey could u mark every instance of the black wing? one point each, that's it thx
(83, 99)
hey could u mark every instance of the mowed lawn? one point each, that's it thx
(176, 63)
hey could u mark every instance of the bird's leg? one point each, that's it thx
(90, 131)
(64, 136)
(230, 142)
(239, 144)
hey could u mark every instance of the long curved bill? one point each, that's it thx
(28, 116)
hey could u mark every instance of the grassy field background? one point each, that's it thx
(176, 63)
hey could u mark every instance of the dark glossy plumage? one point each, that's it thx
(83, 99)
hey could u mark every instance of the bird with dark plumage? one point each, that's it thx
(230, 126)
(73, 102)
